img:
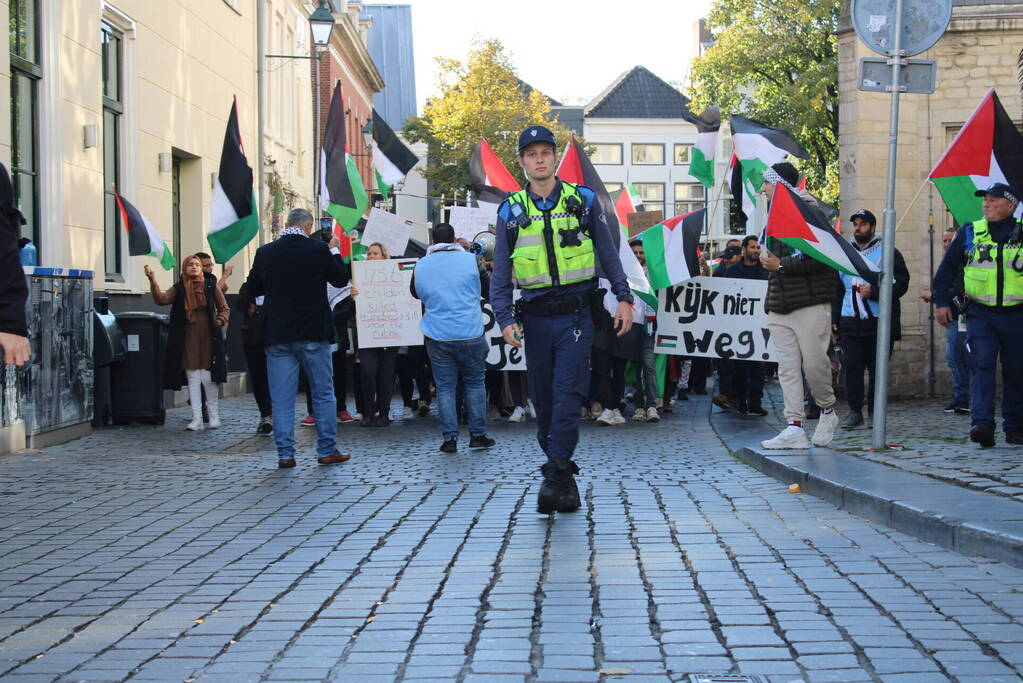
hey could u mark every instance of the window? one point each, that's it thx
(648, 154)
(612, 187)
(25, 74)
(688, 197)
(112, 43)
(652, 195)
(683, 153)
(607, 153)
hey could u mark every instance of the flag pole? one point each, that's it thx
(884, 323)
(912, 202)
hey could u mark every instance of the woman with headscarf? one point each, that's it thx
(376, 366)
(195, 347)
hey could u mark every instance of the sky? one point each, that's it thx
(568, 49)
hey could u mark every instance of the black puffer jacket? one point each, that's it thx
(800, 282)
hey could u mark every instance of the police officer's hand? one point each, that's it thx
(623, 318)
(513, 335)
(944, 316)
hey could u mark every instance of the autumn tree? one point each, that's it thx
(480, 96)
(777, 61)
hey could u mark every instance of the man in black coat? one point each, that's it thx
(13, 291)
(292, 274)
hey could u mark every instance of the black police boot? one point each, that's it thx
(558, 492)
(984, 434)
(1014, 436)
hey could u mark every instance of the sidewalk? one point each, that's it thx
(939, 487)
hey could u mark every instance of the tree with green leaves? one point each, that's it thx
(480, 96)
(776, 61)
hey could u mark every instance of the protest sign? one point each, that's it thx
(641, 220)
(469, 221)
(388, 229)
(386, 314)
(502, 355)
(715, 318)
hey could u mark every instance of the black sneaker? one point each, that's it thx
(961, 410)
(449, 446)
(951, 407)
(983, 434)
(481, 441)
(558, 492)
(266, 426)
(756, 411)
(1014, 437)
(853, 420)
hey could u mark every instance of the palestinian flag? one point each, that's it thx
(701, 164)
(143, 239)
(671, 248)
(757, 147)
(490, 180)
(802, 227)
(988, 149)
(576, 167)
(740, 193)
(234, 220)
(342, 193)
(626, 201)
(392, 158)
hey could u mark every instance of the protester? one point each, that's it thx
(647, 391)
(414, 373)
(729, 257)
(342, 307)
(292, 272)
(556, 274)
(800, 293)
(207, 269)
(376, 365)
(986, 252)
(195, 352)
(746, 391)
(956, 353)
(855, 317)
(447, 280)
(13, 290)
(255, 357)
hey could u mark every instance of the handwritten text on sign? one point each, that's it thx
(502, 355)
(715, 318)
(385, 312)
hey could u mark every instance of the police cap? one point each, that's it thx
(1001, 190)
(536, 134)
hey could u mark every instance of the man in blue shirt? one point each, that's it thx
(550, 238)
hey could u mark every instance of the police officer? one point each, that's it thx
(989, 253)
(550, 237)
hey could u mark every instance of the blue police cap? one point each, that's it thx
(1001, 190)
(536, 134)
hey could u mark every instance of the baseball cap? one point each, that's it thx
(1001, 190)
(731, 251)
(536, 134)
(865, 215)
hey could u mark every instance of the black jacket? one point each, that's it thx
(13, 291)
(801, 282)
(173, 376)
(867, 327)
(252, 323)
(292, 272)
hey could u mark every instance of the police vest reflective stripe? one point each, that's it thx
(991, 276)
(551, 249)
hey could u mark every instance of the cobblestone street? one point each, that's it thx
(155, 554)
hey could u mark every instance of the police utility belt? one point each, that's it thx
(548, 306)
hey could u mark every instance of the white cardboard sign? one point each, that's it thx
(385, 312)
(469, 221)
(502, 355)
(714, 317)
(390, 230)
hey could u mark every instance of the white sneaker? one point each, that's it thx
(639, 415)
(652, 416)
(790, 438)
(214, 421)
(596, 410)
(617, 417)
(606, 418)
(194, 425)
(530, 410)
(518, 415)
(825, 431)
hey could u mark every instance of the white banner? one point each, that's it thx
(469, 221)
(502, 355)
(714, 317)
(385, 312)
(388, 229)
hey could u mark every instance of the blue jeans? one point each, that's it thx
(558, 364)
(958, 363)
(992, 336)
(468, 358)
(282, 363)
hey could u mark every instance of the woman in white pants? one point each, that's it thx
(195, 346)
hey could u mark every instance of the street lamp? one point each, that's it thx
(367, 134)
(322, 23)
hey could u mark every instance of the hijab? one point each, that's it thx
(195, 294)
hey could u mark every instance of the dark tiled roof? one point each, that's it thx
(638, 94)
(569, 117)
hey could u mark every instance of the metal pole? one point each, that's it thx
(884, 321)
(260, 97)
(317, 152)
